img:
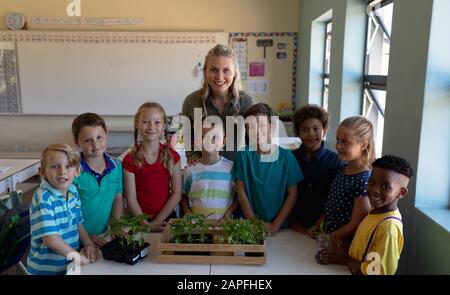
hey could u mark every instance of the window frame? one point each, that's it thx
(373, 82)
(326, 66)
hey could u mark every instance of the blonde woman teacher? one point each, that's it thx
(221, 93)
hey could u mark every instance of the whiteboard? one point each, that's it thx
(110, 73)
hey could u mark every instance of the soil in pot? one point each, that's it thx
(118, 253)
(108, 249)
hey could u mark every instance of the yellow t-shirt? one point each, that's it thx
(387, 242)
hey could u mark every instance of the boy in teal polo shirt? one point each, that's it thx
(100, 183)
(266, 175)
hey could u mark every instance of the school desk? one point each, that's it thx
(15, 171)
(288, 253)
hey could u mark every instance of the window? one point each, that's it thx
(326, 64)
(376, 68)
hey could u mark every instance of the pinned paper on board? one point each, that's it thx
(257, 69)
(281, 55)
(258, 86)
(264, 43)
(240, 50)
(281, 45)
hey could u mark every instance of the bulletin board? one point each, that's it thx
(268, 66)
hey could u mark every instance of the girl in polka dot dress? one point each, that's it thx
(347, 203)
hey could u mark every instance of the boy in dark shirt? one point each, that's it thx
(318, 165)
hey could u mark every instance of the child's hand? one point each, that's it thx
(268, 228)
(334, 256)
(84, 260)
(157, 226)
(98, 240)
(145, 222)
(90, 253)
(226, 215)
(275, 227)
(338, 244)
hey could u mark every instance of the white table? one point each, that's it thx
(21, 170)
(147, 266)
(288, 253)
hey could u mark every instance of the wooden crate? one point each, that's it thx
(216, 253)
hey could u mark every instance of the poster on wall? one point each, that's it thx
(256, 69)
(281, 45)
(281, 55)
(256, 86)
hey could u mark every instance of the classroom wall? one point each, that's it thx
(170, 15)
(33, 132)
(406, 122)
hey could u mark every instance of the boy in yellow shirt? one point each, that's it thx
(378, 241)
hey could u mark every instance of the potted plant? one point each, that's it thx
(243, 231)
(129, 245)
(192, 228)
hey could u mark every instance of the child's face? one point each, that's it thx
(347, 145)
(92, 141)
(58, 171)
(260, 131)
(219, 73)
(151, 124)
(213, 139)
(311, 133)
(385, 187)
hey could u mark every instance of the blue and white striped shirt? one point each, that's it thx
(52, 213)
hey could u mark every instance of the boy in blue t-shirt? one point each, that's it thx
(55, 215)
(100, 183)
(266, 175)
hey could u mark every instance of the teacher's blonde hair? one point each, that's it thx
(222, 50)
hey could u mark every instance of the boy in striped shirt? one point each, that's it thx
(55, 215)
(208, 184)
